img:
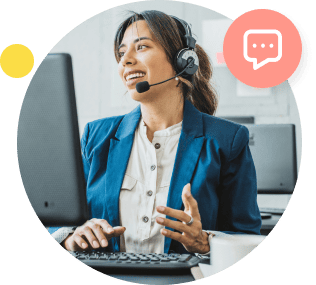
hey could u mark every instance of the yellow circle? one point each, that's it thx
(17, 61)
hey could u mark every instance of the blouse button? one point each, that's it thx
(153, 167)
(157, 145)
(145, 219)
(149, 193)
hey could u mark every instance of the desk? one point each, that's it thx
(155, 277)
(269, 224)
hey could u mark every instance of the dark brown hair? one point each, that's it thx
(170, 34)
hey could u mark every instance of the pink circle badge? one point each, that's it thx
(262, 48)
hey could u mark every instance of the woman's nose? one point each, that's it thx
(128, 58)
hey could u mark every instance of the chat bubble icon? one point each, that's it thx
(262, 46)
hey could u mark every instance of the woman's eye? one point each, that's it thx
(121, 53)
(141, 47)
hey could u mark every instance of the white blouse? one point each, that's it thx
(146, 186)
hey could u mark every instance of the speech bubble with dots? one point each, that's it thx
(262, 46)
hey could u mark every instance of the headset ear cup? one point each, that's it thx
(178, 63)
(181, 60)
(182, 57)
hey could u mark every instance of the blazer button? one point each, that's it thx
(157, 145)
(149, 193)
(145, 219)
(153, 167)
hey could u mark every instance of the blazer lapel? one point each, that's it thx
(189, 148)
(119, 153)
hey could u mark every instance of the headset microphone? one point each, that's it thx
(144, 85)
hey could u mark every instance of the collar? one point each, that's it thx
(170, 131)
(192, 124)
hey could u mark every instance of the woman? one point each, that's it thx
(162, 177)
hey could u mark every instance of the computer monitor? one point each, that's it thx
(273, 148)
(48, 143)
(240, 119)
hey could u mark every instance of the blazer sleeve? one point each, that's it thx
(85, 160)
(238, 208)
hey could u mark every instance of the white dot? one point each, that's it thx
(271, 45)
(254, 45)
(262, 45)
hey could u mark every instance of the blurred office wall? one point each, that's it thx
(100, 92)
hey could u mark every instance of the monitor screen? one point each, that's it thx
(49, 146)
(273, 148)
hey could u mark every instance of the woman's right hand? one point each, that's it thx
(91, 235)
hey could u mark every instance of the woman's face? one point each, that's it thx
(144, 59)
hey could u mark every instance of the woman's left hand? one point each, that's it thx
(193, 238)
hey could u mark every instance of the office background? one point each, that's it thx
(100, 92)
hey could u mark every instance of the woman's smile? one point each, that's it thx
(142, 58)
(133, 78)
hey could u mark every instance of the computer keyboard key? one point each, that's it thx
(164, 259)
(184, 258)
(123, 258)
(173, 258)
(155, 259)
(144, 258)
(113, 257)
(81, 257)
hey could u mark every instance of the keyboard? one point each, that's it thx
(125, 260)
(275, 211)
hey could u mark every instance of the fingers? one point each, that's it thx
(192, 230)
(91, 235)
(107, 228)
(190, 236)
(74, 243)
(96, 233)
(117, 231)
(176, 236)
(190, 204)
(178, 214)
(79, 241)
(174, 225)
(185, 191)
(193, 238)
(190, 244)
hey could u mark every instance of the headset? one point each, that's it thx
(186, 61)
(187, 55)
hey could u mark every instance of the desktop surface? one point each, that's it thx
(268, 224)
(150, 277)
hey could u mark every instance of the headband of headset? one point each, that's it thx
(190, 41)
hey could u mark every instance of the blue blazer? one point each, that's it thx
(213, 155)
